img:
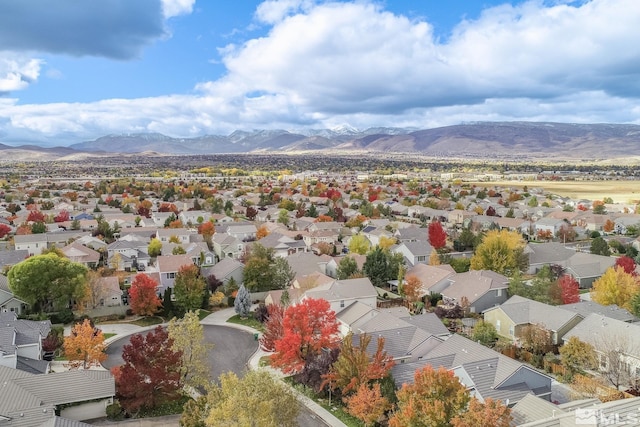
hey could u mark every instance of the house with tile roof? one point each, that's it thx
(518, 312)
(485, 372)
(30, 400)
(482, 290)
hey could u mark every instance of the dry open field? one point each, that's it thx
(619, 191)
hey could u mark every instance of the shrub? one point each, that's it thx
(115, 412)
(64, 316)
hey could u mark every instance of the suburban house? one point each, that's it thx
(343, 293)
(518, 312)
(283, 245)
(482, 289)
(34, 244)
(546, 254)
(414, 252)
(21, 341)
(129, 252)
(227, 246)
(168, 267)
(108, 292)
(243, 231)
(585, 308)
(605, 333)
(485, 372)
(33, 400)
(433, 278)
(225, 270)
(587, 268)
(333, 264)
(182, 235)
(79, 253)
(8, 301)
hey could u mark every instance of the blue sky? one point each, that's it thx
(193, 67)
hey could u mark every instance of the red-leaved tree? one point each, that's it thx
(62, 216)
(151, 373)
(273, 328)
(143, 295)
(569, 289)
(309, 327)
(437, 235)
(627, 264)
(4, 230)
(35, 216)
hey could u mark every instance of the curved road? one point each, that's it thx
(231, 352)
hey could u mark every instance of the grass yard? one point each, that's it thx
(109, 335)
(619, 191)
(249, 321)
(148, 321)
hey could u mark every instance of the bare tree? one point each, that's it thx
(617, 359)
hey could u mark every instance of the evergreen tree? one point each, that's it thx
(242, 304)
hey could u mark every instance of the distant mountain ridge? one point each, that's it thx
(475, 140)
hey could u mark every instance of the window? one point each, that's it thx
(171, 275)
(498, 325)
(498, 293)
(341, 303)
(512, 330)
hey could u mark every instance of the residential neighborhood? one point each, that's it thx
(481, 282)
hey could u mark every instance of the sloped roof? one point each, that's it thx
(523, 311)
(474, 284)
(169, 263)
(585, 308)
(428, 322)
(600, 331)
(222, 269)
(548, 253)
(532, 408)
(589, 265)
(430, 275)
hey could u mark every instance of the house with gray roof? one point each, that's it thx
(8, 301)
(518, 312)
(482, 290)
(30, 400)
(168, 268)
(225, 270)
(587, 268)
(545, 254)
(485, 372)
(414, 252)
(283, 245)
(21, 338)
(227, 246)
(585, 308)
(343, 293)
(433, 278)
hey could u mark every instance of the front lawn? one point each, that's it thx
(108, 335)
(148, 321)
(249, 321)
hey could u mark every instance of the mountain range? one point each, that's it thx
(504, 140)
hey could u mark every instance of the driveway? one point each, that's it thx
(232, 349)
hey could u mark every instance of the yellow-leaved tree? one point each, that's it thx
(615, 286)
(501, 251)
(188, 338)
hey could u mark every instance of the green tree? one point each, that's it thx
(257, 399)
(359, 244)
(347, 267)
(283, 274)
(484, 333)
(155, 247)
(188, 339)
(283, 217)
(500, 251)
(578, 355)
(48, 281)
(188, 288)
(242, 303)
(376, 267)
(599, 246)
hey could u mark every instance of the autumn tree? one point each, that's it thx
(627, 264)
(85, 345)
(359, 244)
(500, 251)
(4, 230)
(411, 289)
(615, 287)
(273, 327)
(143, 295)
(569, 289)
(256, 399)
(188, 288)
(578, 355)
(367, 404)
(35, 216)
(62, 216)
(155, 247)
(188, 339)
(151, 372)
(262, 231)
(309, 327)
(355, 366)
(490, 413)
(437, 235)
(535, 338)
(608, 226)
(207, 230)
(434, 399)
(48, 281)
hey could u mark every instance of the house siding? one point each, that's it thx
(489, 300)
(493, 316)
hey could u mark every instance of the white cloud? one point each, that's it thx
(334, 63)
(17, 71)
(171, 8)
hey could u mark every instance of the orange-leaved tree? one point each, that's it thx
(143, 294)
(309, 327)
(355, 366)
(491, 413)
(435, 397)
(437, 235)
(367, 404)
(85, 345)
